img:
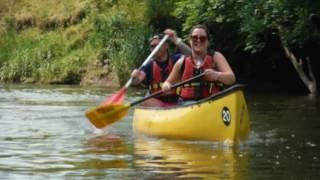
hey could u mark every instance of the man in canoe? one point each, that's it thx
(157, 71)
(215, 67)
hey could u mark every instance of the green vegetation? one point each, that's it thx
(252, 24)
(67, 41)
(75, 41)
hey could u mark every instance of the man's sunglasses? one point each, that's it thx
(153, 46)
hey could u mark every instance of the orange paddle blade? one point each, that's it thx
(117, 98)
(102, 116)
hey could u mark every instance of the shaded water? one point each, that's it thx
(44, 134)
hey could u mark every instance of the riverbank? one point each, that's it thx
(70, 42)
(101, 80)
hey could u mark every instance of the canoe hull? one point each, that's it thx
(221, 117)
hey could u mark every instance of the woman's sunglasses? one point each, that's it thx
(201, 38)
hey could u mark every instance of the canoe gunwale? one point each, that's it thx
(220, 94)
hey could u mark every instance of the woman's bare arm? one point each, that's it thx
(223, 72)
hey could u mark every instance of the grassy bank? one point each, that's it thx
(73, 42)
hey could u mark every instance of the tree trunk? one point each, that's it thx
(309, 81)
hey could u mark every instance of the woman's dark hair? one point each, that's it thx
(199, 26)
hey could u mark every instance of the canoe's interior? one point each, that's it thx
(213, 97)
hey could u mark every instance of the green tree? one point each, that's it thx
(159, 13)
(291, 21)
(249, 23)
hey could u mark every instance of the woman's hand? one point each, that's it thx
(212, 75)
(166, 86)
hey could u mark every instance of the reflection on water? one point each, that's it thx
(106, 144)
(111, 150)
(44, 134)
(181, 159)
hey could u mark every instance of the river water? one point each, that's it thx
(44, 134)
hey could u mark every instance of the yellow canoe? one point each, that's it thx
(223, 116)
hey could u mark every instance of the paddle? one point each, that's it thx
(102, 116)
(119, 97)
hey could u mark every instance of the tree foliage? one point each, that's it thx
(253, 20)
(219, 16)
(160, 15)
(291, 21)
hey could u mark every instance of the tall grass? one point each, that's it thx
(131, 52)
(61, 43)
(123, 37)
(34, 56)
(124, 43)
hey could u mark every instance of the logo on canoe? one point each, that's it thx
(226, 116)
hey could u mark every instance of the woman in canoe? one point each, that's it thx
(216, 68)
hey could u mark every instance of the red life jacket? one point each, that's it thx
(201, 88)
(159, 75)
